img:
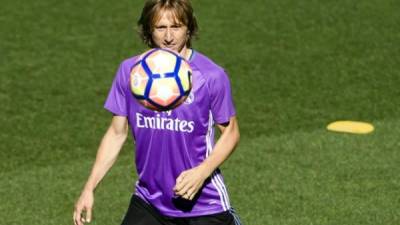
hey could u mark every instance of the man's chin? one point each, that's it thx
(172, 49)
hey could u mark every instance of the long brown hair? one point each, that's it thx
(181, 9)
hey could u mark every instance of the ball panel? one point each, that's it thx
(164, 91)
(139, 80)
(148, 105)
(161, 62)
(185, 76)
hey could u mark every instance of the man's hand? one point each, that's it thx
(190, 181)
(83, 208)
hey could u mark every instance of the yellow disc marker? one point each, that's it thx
(353, 127)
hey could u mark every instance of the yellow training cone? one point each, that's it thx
(354, 127)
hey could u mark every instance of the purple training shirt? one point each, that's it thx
(168, 143)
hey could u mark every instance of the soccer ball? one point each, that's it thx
(161, 80)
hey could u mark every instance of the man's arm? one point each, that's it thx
(190, 181)
(107, 153)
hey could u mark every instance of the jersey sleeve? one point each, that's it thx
(116, 101)
(222, 106)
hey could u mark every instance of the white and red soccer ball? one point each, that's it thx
(161, 79)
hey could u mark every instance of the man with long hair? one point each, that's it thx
(178, 177)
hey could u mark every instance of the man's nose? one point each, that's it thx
(169, 36)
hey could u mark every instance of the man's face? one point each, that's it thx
(170, 33)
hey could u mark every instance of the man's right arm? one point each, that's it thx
(107, 153)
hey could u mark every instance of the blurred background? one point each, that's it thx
(295, 66)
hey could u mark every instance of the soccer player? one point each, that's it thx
(178, 177)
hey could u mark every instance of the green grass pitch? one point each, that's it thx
(295, 66)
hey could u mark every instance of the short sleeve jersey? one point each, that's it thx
(168, 143)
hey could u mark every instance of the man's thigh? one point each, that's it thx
(225, 218)
(141, 213)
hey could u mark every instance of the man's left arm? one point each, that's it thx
(190, 181)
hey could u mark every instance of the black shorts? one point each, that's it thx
(141, 213)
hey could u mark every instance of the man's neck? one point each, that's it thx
(186, 53)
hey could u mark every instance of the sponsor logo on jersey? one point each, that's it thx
(163, 123)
